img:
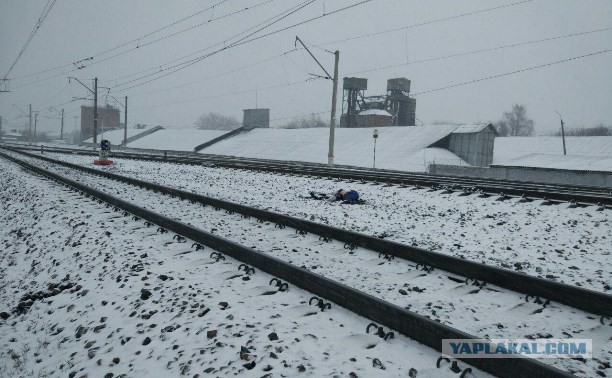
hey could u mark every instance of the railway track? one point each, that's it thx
(365, 241)
(586, 300)
(501, 189)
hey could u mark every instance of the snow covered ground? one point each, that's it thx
(97, 294)
(401, 148)
(509, 148)
(582, 163)
(524, 237)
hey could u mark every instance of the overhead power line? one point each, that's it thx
(126, 43)
(140, 46)
(513, 72)
(425, 23)
(217, 75)
(246, 40)
(135, 48)
(489, 49)
(39, 22)
(80, 64)
(226, 45)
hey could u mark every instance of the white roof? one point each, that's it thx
(509, 148)
(116, 136)
(469, 129)
(401, 148)
(573, 162)
(176, 139)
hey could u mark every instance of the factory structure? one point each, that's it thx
(395, 108)
(108, 119)
(256, 118)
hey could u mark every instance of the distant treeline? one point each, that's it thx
(599, 130)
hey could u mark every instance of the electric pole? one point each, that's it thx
(332, 123)
(30, 132)
(95, 114)
(0, 128)
(562, 133)
(35, 123)
(62, 128)
(76, 136)
(125, 124)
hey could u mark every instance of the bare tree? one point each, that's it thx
(515, 122)
(502, 128)
(216, 121)
(313, 120)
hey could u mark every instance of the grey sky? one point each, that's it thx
(74, 30)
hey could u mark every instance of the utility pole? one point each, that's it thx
(125, 124)
(95, 114)
(35, 123)
(78, 137)
(0, 128)
(95, 109)
(30, 132)
(62, 129)
(562, 133)
(332, 123)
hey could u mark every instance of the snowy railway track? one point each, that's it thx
(500, 189)
(436, 284)
(587, 300)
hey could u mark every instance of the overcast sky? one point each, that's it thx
(377, 40)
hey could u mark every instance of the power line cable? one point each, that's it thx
(245, 41)
(489, 49)
(128, 42)
(140, 46)
(157, 68)
(41, 19)
(79, 67)
(216, 76)
(513, 72)
(425, 23)
(389, 66)
(191, 62)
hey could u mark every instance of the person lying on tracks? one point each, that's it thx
(346, 196)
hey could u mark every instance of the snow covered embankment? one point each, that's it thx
(108, 297)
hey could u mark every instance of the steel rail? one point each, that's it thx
(584, 299)
(527, 190)
(195, 158)
(412, 325)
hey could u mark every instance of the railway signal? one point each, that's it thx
(105, 147)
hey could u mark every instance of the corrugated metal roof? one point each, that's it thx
(568, 162)
(469, 129)
(509, 148)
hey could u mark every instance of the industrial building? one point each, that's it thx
(397, 103)
(108, 119)
(472, 143)
(256, 118)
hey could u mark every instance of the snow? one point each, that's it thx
(469, 129)
(509, 148)
(553, 242)
(115, 136)
(401, 148)
(129, 301)
(176, 139)
(583, 163)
